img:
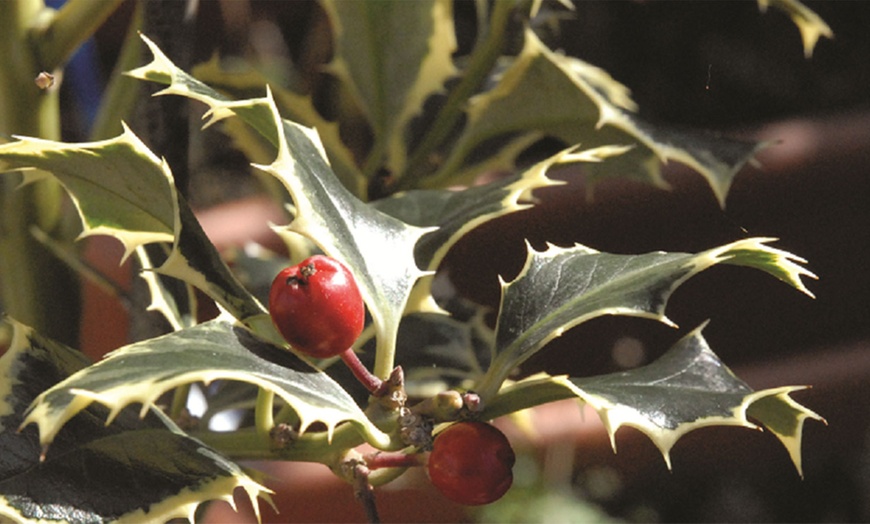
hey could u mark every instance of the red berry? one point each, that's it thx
(317, 306)
(471, 463)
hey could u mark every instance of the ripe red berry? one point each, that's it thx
(317, 306)
(471, 463)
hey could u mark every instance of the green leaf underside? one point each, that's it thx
(584, 105)
(195, 260)
(390, 87)
(563, 287)
(134, 470)
(118, 186)
(376, 247)
(685, 389)
(162, 300)
(214, 350)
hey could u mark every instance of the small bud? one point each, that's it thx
(472, 401)
(44, 80)
(282, 435)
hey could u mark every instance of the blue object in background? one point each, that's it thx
(83, 80)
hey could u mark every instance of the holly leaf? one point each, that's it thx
(390, 86)
(376, 247)
(135, 469)
(214, 350)
(562, 287)
(685, 389)
(194, 260)
(162, 300)
(121, 189)
(584, 105)
(810, 25)
(782, 416)
(241, 79)
(455, 213)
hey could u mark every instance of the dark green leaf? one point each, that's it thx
(563, 287)
(560, 96)
(685, 389)
(392, 55)
(215, 350)
(375, 246)
(139, 469)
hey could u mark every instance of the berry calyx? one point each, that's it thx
(471, 463)
(317, 306)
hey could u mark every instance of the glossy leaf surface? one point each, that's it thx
(562, 287)
(685, 389)
(148, 468)
(215, 350)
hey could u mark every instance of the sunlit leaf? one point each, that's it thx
(215, 350)
(376, 247)
(134, 469)
(810, 25)
(123, 190)
(119, 187)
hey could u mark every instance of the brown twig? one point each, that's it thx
(364, 492)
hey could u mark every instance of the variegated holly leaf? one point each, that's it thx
(241, 80)
(375, 246)
(119, 187)
(562, 287)
(163, 71)
(196, 261)
(810, 25)
(135, 469)
(122, 189)
(216, 350)
(378, 248)
(685, 389)
(455, 213)
(392, 56)
(563, 97)
(162, 300)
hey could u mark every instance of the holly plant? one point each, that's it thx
(367, 229)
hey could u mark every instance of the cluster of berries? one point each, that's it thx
(318, 308)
